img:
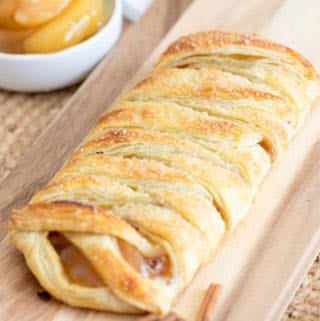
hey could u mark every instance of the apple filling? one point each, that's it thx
(155, 266)
(79, 269)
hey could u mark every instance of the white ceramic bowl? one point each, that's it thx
(45, 72)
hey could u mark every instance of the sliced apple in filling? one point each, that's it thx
(79, 270)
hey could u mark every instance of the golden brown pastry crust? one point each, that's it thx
(167, 171)
(211, 39)
(280, 69)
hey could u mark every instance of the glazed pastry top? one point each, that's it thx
(144, 202)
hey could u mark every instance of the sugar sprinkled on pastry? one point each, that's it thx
(127, 222)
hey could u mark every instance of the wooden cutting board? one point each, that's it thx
(264, 261)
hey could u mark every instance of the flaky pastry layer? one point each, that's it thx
(144, 202)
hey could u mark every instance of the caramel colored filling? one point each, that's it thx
(77, 267)
(148, 266)
(42, 26)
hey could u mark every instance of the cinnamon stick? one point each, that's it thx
(154, 317)
(170, 317)
(209, 302)
(149, 317)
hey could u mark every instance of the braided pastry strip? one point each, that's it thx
(126, 223)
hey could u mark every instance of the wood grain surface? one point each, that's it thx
(263, 262)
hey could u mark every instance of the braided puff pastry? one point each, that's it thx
(126, 223)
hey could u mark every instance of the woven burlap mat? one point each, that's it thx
(23, 117)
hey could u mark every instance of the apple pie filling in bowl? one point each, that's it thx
(51, 65)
